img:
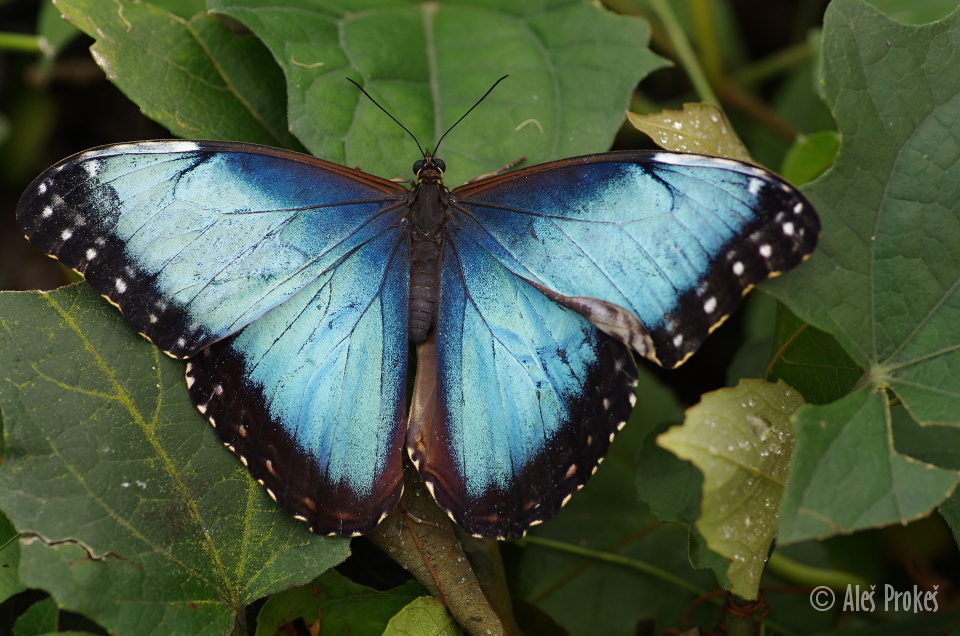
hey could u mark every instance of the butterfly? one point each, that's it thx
(294, 287)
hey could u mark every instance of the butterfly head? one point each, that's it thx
(429, 169)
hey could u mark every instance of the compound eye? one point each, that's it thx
(440, 164)
(417, 166)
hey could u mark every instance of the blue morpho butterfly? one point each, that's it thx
(294, 286)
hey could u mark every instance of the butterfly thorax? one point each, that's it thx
(428, 208)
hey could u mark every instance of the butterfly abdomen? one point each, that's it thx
(424, 276)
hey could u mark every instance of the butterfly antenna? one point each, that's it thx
(483, 97)
(407, 130)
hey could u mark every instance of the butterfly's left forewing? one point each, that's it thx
(283, 277)
(193, 240)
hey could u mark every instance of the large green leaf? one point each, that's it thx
(134, 513)
(572, 67)
(196, 77)
(847, 476)
(885, 279)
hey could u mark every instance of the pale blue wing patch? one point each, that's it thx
(529, 396)
(674, 239)
(194, 240)
(312, 394)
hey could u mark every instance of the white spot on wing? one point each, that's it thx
(120, 285)
(755, 185)
(798, 208)
(710, 305)
(42, 187)
(66, 234)
(788, 229)
(91, 254)
(766, 250)
(738, 268)
(677, 340)
(47, 212)
(92, 167)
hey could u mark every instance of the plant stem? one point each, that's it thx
(808, 575)
(19, 42)
(684, 51)
(773, 65)
(703, 24)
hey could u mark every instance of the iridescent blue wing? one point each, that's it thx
(286, 274)
(550, 273)
(312, 395)
(195, 240)
(675, 239)
(529, 393)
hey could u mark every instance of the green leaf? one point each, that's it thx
(884, 280)
(846, 475)
(40, 618)
(333, 604)
(932, 444)
(810, 156)
(572, 68)
(55, 32)
(810, 360)
(950, 511)
(915, 11)
(9, 559)
(425, 616)
(740, 440)
(186, 9)
(700, 128)
(142, 521)
(193, 76)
